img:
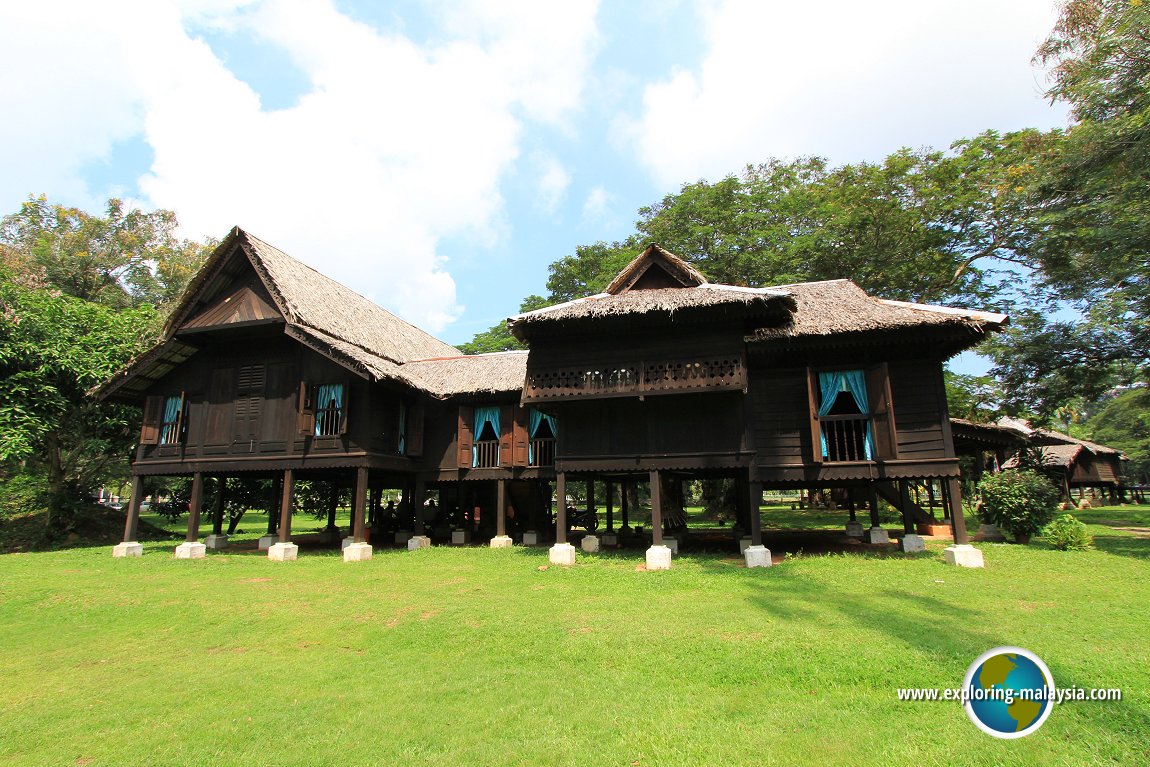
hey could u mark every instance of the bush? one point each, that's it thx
(1020, 502)
(1068, 534)
(22, 494)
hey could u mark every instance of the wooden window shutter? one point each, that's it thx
(306, 408)
(882, 412)
(415, 429)
(519, 452)
(220, 406)
(343, 410)
(506, 435)
(813, 407)
(465, 438)
(182, 418)
(153, 415)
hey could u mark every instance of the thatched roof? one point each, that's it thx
(656, 257)
(836, 307)
(326, 315)
(1052, 438)
(981, 435)
(665, 301)
(497, 373)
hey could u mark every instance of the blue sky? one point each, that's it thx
(437, 156)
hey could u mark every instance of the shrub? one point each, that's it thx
(1020, 502)
(1068, 534)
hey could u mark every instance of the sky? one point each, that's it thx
(436, 156)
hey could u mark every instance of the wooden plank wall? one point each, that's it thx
(916, 390)
(779, 417)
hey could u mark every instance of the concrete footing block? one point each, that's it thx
(744, 543)
(912, 542)
(758, 556)
(990, 533)
(610, 540)
(855, 529)
(531, 538)
(188, 550)
(501, 542)
(659, 558)
(673, 545)
(348, 541)
(460, 537)
(418, 542)
(402, 537)
(562, 554)
(590, 543)
(877, 535)
(357, 552)
(216, 542)
(128, 549)
(963, 555)
(267, 541)
(283, 552)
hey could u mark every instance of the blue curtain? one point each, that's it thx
(402, 429)
(328, 409)
(483, 416)
(171, 417)
(535, 419)
(834, 382)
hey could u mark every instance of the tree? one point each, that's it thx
(127, 257)
(1123, 423)
(53, 349)
(1091, 194)
(498, 338)
(975, 398)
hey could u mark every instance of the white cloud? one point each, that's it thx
(396, 146)
(595, 206)
(845, 79)
(552, 181)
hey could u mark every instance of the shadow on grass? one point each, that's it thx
(1124, 545)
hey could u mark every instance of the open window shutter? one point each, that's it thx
(506, 435)
(519, 452)
(813, 408)
(306, 409)
(415, 430)
(220, 396)
(878, 391)
(182, 418)
(465, 438)
(344, 410)
(153, 414)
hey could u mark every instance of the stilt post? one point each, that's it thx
(287, 491)
(197, 501)
(359, 504)
(656, 509)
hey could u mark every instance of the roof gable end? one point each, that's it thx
(654, 269)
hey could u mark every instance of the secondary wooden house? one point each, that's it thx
(1076, 463)
(269, 369)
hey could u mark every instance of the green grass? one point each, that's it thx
(489, 657)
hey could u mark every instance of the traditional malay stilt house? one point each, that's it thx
(269, 369)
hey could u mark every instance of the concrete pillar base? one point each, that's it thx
(990, 533)
(673, 545)
(610, 540)
(744, 543)
(562, 554)
(191, 551)
(912, 542)
(501, 542)
(283, 552)
(330, 534)
(758, 556)
(590, 543)
(267, 541)
(128, 549)
(658, 558)
(963, 555)
(418, 542)
(531, 538)
(348, 541)
(216, 542)
(877, 535)
(460, 537)
(402, 537)
(357, 552)
(855, 529)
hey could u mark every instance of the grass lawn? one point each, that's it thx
(474, 656)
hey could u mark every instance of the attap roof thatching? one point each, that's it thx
(497, 373)
(1052, 438)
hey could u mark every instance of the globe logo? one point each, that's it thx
(1008, 691)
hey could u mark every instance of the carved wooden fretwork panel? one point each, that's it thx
(717, 373)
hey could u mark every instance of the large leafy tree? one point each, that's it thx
(1123, 422)
(53, 349)
(1092, 199)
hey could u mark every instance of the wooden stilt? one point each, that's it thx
(957, 518)
(287, 491)
(131, 524)
(218, 505)
(874, 522)
(358, 505)
(417, 501)
(656, 509)
(755, 493)
(610, 501)
(624, 504)
(194, 505)
(501, 508)
(560, 507)
(904, 501)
